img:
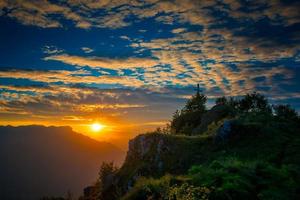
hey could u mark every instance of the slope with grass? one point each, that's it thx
(250, 152)
(259, 161)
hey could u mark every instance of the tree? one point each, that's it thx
(285, 112)
(196, 103)
(106, 175)
(190, 116)
(254, 102)
(176, 115)
(106, 171)
(233, 102)
(221, 101)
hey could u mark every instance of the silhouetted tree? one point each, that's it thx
(176, 115)
(196, 103)
(69, 195)
(254, 102)
(190, 116)
(233, 102)
(98, 190)
(221, 101)
(285, 112)
(164, 130)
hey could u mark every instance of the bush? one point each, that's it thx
(235, 179)
(185, 122)
(188, 192)
(254, 102)
(149, 188)
(285, 112)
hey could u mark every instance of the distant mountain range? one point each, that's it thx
(38, 161)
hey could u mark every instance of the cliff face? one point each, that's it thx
(153, 155)
(148, 147)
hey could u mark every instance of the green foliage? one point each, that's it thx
(285, 112)
(236, 179)
(194, 118)
(254, 102)
(195, 104)
(260, 159)
(188, 192)
(166, 188)
(225, 179)
(184, 121)
(149, 188)
(213, 127)
(221, 101)
(260, 162)
(163, 130)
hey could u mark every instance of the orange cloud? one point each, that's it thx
(70, 77)
(104, 62)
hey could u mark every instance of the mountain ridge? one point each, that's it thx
(41, 161)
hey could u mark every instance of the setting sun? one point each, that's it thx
(97, 127)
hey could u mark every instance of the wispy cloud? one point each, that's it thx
(70, 77)
(229, 47)
(116, 64)
(87, 49)
(113, 14)
(50, 49)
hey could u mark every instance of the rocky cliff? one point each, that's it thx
(153, 155)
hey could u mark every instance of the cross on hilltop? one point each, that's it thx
(198, 89)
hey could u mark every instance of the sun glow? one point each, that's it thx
(96, 127)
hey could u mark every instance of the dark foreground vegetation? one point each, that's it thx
(241, 148)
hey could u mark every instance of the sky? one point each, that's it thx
(129, 64)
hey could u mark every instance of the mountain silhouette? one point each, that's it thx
(38, 161)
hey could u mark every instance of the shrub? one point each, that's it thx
(254, 102)
(285, 112)
(188, 192)
(235, 179)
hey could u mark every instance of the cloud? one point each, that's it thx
(124, 37)
(87, 49)
(50, 49)
(178, 30)
(288, 12)
(114, 14)
(70, 77)
(116, 64)
(85, 103)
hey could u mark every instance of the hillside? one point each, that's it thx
(240, 149)
(41, 161)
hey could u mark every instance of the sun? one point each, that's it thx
(97, 127)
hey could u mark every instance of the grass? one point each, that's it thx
(260, 161)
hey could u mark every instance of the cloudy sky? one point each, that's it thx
(130, 63)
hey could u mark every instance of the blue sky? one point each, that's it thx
(137, 61)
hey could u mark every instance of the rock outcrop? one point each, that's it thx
(215, 114)
(225, 131)
(153, 155)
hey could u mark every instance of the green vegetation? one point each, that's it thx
(168, 187)
(236, 179)
(239, 149)
(185, 120)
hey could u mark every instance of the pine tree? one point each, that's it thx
(196, 103)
